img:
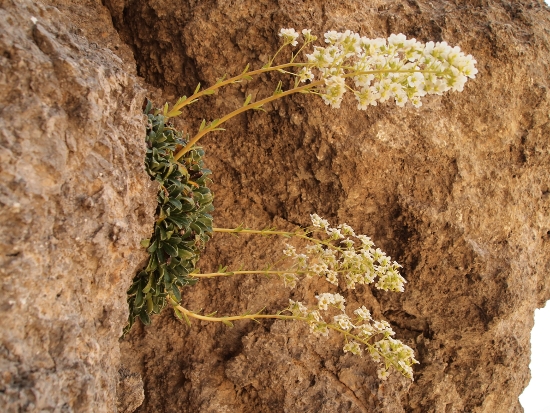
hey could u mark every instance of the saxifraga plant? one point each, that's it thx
(184, 223)
(375, 71)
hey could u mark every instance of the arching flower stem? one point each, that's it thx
(285, 234)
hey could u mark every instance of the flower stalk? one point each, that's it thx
(374, 71)
(380, 69)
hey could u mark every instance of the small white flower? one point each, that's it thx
(308, 36)
(301, 261)
(332, 277)
(289, 36)
(335, 87)
(334, 233)
(319, 222)
(415, 100)
(348, 243)
(397, 40)
(305, 74)
(319, 57)
(379, 327)
(366, 241)
(319, 269)
(290, 280)
(401, 99)
(344, 322)
(297, 308)
(368, 277)
(324, 300)
(383, 374)
(353, 347)
(350, 281)
(346, 229)
(332, 37)
(314, 317)
(365, 331)
(339, 301)
(289, 251)
(376, 356)
(329, 257)
(363, 313)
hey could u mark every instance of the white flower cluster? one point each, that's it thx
(359, 333)
(289, 36)
(333, 257)
(382, 69)
(337, 257)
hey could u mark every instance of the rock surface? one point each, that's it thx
(130, 394)
(457, 191)
(75, 202)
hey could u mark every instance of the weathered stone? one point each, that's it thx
(75, 202)
(456, 191)
(129, 391)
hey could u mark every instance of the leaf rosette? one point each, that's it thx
(183, 224)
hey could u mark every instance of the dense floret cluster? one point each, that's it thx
(338, 256)
(335, 257)
(360, 331)
(378, 70)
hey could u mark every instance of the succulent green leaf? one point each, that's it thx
(169, 249)
(144, 317)
(184, 201)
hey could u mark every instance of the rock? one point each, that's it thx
(75, 202)
(455, 191)
(129, 391)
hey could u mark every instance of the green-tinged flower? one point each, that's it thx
(353, 347)
(289, 36)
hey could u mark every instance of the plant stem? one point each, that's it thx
(260, 103)
(237, 317)
(269, 316)
(239, 272)
(255, 231)
(254, 105)
(230, 273)
(235, 79)
(282, 233)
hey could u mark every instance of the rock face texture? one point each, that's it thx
(75, 202)
(457, 191)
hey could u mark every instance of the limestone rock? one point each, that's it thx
(75, 202)
(129, 391)
(456, 191)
